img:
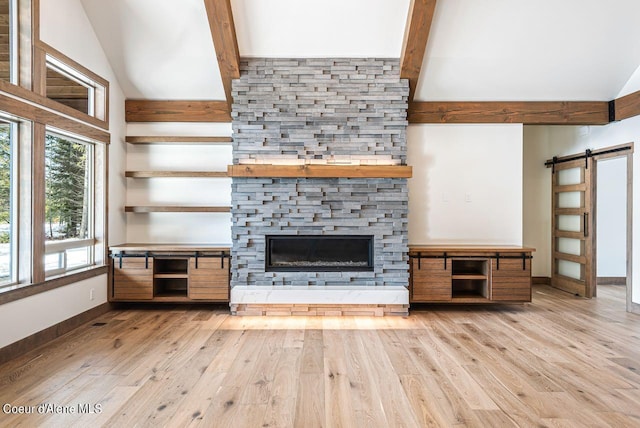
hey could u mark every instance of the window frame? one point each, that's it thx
(14, 184)
(49, 57)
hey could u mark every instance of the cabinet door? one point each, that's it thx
(133, 279)
(210, 279)
(510, 281)
(430, 281)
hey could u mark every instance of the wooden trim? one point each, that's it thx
(541, 280)
(38, 203)
(175, 174)
(570, 188)
(320, 171)
(612, 280)
(39, 73)
(36, 108)
(223, 32)
(631, 305)
(31, 290)
(177, 140)
(569, 211)
(570, 257)
(35, 19)
(42, 337)
(627, 106)
(414, 45)
(527, 112)
(48, 49)
(176, 111)
(566, 234)
(175, 209)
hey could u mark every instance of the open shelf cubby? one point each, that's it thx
(171, 266)
(170, 287)
(470, 278)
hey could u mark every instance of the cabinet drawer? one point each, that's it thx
(430, 267)
(210, 280)
(511, 268)
(511, 289)
(430, 281)
(133, 279)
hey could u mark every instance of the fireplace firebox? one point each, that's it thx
(313, 253)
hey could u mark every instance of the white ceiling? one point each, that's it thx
(478, 49)
(530, 50)
(159, 49)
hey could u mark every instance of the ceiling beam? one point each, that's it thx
(627, 106)
(528, 113)
(176, 111)
(414, 45)
(223, 32)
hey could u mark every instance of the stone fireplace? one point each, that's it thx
(349, 112)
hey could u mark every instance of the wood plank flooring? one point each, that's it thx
(561, 361)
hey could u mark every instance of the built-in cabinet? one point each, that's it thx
(169, 273)
(470, 274)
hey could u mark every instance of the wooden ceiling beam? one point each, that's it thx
(627, 106)
(528, 113)
(223, 32)
(414, 45)
(176, 111)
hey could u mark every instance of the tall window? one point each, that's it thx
(69, 204)
(7, 204)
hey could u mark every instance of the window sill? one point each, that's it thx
(21, 291)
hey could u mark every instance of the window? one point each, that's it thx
(69, 91)
(74, 86)
(7, 204)
(69, 204)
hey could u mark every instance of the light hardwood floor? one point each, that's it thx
(560, 361)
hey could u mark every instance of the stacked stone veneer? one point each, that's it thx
(319, 111)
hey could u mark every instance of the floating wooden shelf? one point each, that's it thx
(178, 140)
(469, 276)
(168, 247)
(320, 171)
(171, 275)
(189, 174)
(175, 209)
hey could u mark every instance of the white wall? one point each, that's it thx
(611, 208)
(179, 227)
(65, 26)
(565, 140)
(467, 184)
(537, 197)
(35, 313)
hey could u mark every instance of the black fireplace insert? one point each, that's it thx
(314, 253)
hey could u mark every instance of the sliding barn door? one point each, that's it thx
(573, 227)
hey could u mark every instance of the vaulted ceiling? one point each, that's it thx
(478, 50)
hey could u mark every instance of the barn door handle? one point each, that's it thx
(585, 224)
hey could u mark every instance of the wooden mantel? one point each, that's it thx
(320, 171)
